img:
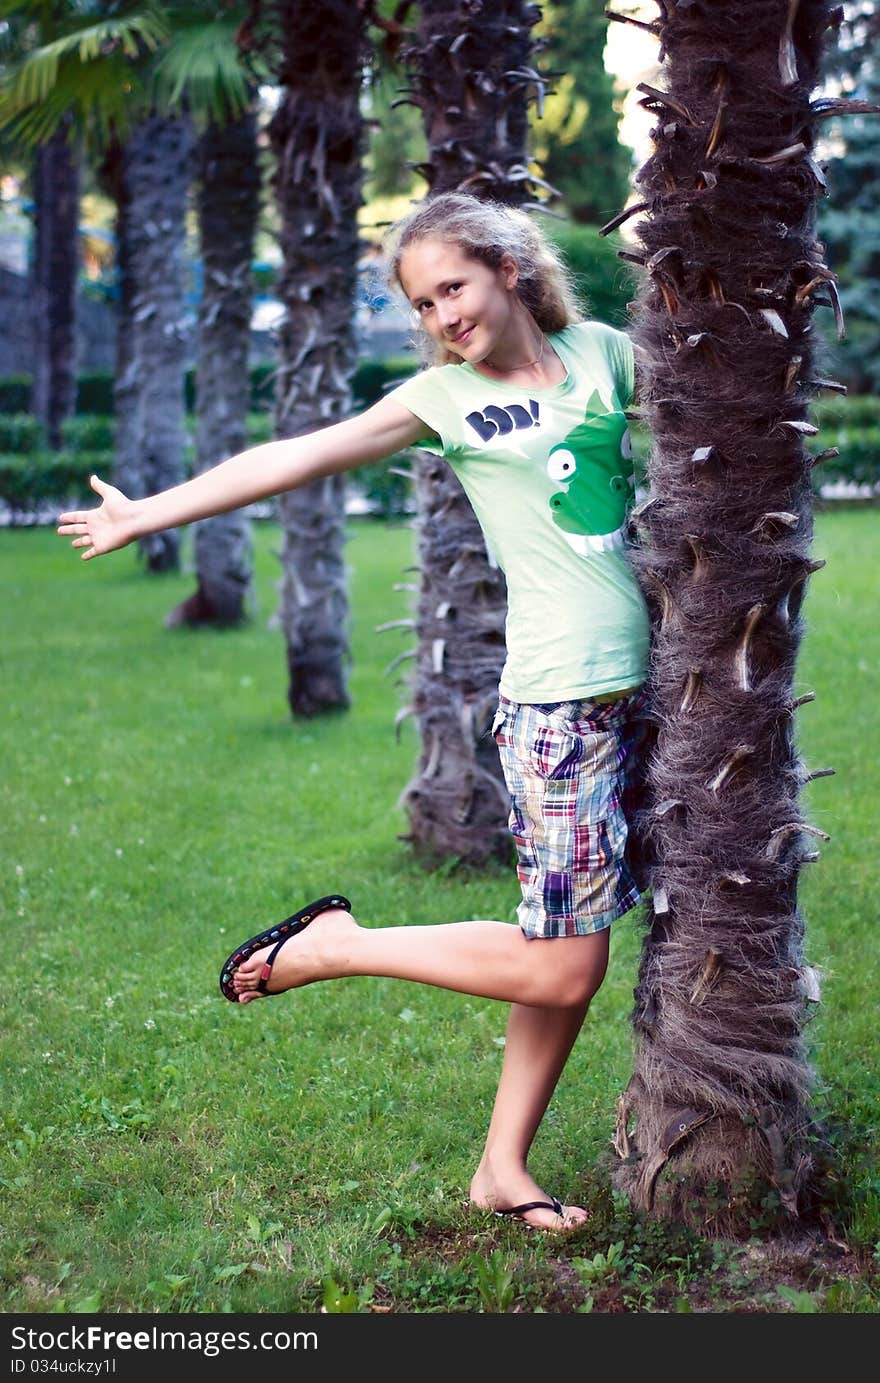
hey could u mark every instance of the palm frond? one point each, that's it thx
(202, 69)
(37, 75)
(102, 97)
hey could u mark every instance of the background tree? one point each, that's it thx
(157, 167)
(228, 198)
(717, 1112)
(316, 135)
(130, 81)
(848, 220)
(213, 64)
(54, 277)
(89, 73)
(575, 140)
(472, 76)
(199, 84)
(47, 105)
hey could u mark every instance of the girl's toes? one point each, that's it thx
(574, 1215)
(247, 975)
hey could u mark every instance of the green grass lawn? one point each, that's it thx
(165, 1151)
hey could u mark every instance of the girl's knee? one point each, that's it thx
(581, 986)
(571, 969)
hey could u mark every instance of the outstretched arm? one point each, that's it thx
(254, 474)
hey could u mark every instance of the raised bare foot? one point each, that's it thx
(493, 1188)
(309, 955)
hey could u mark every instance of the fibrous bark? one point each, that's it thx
(317, 134)
(228, 199)
(54, 277)
(157, 171)
(472, 76)
(126, 463)
(718, 1107)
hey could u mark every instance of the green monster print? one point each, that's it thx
(595, 462)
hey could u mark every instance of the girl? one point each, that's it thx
(527, 404)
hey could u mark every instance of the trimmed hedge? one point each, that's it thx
(859, 459)
(15, 394)
(372, 378)
(94, 392)
(88, 432)
(20, 432)
(55, 478)
(859, 411)
(258, 427)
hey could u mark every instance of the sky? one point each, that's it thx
(631, 55)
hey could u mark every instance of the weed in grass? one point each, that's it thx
(495, 1281)
(342, 1297)
(260, 1234)
(118, 1118)
(175, 1292)
(602, 1266)
(400, 1219)
(430, 1285)
(853, 1296)
(801, 1302)
(85, 1306)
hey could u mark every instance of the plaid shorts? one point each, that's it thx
(568, 766)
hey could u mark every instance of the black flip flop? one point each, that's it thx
(517, 1212)
(279, 934)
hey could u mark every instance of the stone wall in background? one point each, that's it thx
(15, 314)
(96, 329)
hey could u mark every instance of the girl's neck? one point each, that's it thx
(523, 355)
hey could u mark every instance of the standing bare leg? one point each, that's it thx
(536, 1049)
(548, 981)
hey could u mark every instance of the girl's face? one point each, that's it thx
(462, 303)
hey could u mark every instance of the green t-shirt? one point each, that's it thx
(549, 474)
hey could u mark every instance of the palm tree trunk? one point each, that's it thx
(718, 1108)
(127, 472)
(228, 205)
(467, 70)
(55, 272)
(157, 172)
(317, 134)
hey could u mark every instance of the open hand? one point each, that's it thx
(101, 530)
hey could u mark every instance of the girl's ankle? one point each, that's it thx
(500, 1163)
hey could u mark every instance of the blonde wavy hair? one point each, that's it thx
(486, 231)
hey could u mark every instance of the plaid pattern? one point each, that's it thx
(568, 766)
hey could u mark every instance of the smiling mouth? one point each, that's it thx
(457, 340)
